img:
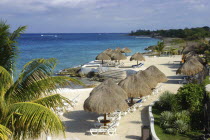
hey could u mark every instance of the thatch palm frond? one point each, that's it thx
(5, 133)
(52, 101)
(31, 119)
(6, 79)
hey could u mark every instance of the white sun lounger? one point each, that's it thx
(110, 130)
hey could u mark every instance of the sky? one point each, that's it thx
(104, 16)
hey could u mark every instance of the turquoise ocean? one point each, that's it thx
(73, 49)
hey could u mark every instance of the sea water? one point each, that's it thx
(73, 49)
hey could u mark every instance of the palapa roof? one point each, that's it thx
(110, 52)
(190, 67)
(106, 98)
(147, 77)
(103, 56)
(157, 74)
(107, 51)
(118, 49)
(189, 54)
(134, 86)
(195, 57)
(137, 56)
(118, 56)
(125, 50)
(188, 49)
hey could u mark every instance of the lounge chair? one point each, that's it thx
(131, 109)
(138, 66)
(110, 130)
(108, 118)
(138, 104)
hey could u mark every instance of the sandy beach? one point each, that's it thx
(78, 122)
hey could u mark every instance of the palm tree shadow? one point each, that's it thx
(79, 121)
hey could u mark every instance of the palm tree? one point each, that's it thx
(159, 48)
(28, 105)
(8, 48)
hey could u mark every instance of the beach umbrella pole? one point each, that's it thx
(137, 62)
(102, 61)
(104, 119)
(132, 100)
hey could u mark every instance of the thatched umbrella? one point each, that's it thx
(118, 56)
(147, 77)
(126, 50)
(135, 87)
(118, 49)
(138, 57)
(110, 52)
(107, 51)
(157, 74)
(189, 54)
(188, 49)
(102, 56)
(106, 98)
(191, 67)
(195, 57)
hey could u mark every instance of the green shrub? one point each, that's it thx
(181, 126)
(183, 115)
(166, 119)
(167, 101)
(171, 131)
(206, 81)
(190, 97)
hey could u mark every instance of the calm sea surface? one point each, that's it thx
(75, 49)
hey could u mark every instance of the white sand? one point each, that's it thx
(78, 122)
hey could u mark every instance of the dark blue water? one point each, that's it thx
(75, 49)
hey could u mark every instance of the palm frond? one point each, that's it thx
(5, 80)
(31, 91)
(31, 119)
(17, 32)
(53, 101)
(5, 133)
(33, 71)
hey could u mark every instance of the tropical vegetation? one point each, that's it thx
(188, 34)
(28, 104)
(8, 49)
(159, 47)
(182, 113)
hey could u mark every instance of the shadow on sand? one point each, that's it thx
(80, 122)
(133, 137)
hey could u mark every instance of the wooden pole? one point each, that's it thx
(105, 119)
(132, 100)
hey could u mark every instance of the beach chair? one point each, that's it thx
(110, 130)
(114, 122)
(155, 91)
(131, 109)
(138, 66)
(183, 81)
(138, 104)
(108, 118)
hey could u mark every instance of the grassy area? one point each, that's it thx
(163, 136)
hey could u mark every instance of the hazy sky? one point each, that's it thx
(83, 16)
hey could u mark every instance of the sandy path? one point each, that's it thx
(78, 122)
